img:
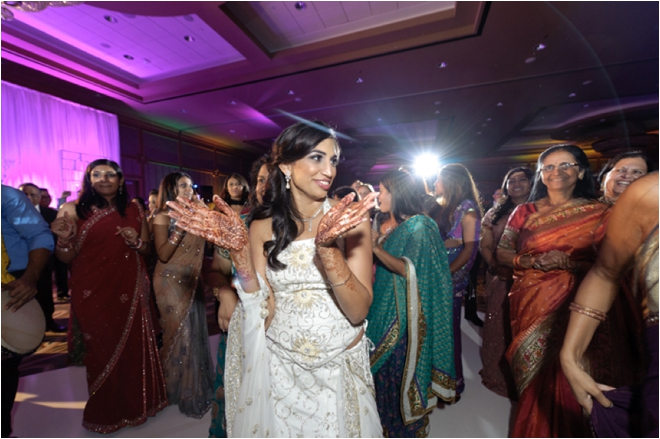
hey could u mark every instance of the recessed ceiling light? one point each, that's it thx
(499, 104)
(587, 82)
(530, 60)
(106, 45)
(183, 111)
(298, 99)
(437, 111)
(232, 102)
(232, 131)
(437, 103)
(489, 119)
(442, 65)
(300, 6)
(567, 131)
(602, 120)
(189, 38)
(290, 92)
(478, 133)
(572, 95)
(586, 106)
(129, 57)
(188, 18)
(128, 15)
(484, 124)
(540, 46)
(359, 80)
(110, 18)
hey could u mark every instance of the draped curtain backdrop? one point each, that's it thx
(49, 141)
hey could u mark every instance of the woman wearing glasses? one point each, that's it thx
(550, 242)
(619, 172)
(104, 237)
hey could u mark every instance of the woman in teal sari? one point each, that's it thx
(410, 319)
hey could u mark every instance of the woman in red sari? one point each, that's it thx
(99, 236)
(551, 243)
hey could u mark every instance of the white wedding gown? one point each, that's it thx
(297, 379)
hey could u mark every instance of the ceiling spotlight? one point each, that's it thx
(442, 65)
(585, 106)
(232, 102)
(437, 111)
(183, 111)
(437, 103)
(300, 6)
(602, 120)
(129, 57)
(290, 93)
(110, 18)
(189, 38)
(478, 133)
(540, 46)
(232, 131)
(499, 104)
(106, 45)
(298, 99)
(489, 119)
(572, 95)
(587, 82)
(530, 60)
(359, 80)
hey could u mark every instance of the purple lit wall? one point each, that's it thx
(49, 141)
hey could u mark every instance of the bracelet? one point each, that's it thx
(216, 293)
(589, 312)
(179, 233)
(175, 238)
(137, 246)
(517, 263)
(342, 283)
(65, 248)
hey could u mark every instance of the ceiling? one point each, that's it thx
(471, 81)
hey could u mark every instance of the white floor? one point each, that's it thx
(51, 404)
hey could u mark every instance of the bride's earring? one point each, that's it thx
(287, 177)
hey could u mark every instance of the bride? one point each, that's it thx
(297, 357)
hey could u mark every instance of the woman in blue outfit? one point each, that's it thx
(410, 319)
(459, 221)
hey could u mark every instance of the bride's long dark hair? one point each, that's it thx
(293, 144)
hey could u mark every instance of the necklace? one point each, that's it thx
(311, 218)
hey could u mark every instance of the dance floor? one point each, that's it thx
(50, 404)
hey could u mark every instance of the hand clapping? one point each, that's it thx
(223, 227)
(342, 217)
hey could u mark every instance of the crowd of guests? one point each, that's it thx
(298, 272)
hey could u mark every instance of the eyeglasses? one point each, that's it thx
(635, 172)
(562, 167)
(100, 174)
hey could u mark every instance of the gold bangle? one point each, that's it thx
(589, 312)
(342, 283)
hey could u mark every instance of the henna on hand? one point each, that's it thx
(223, 227)
(343, 217)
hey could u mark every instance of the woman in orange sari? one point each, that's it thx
(551, 243)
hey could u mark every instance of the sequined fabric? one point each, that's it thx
(124, 374)
(298, 379)
(185, 354)
(496, 373)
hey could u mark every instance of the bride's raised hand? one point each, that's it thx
(223, 227)
(341, 218)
